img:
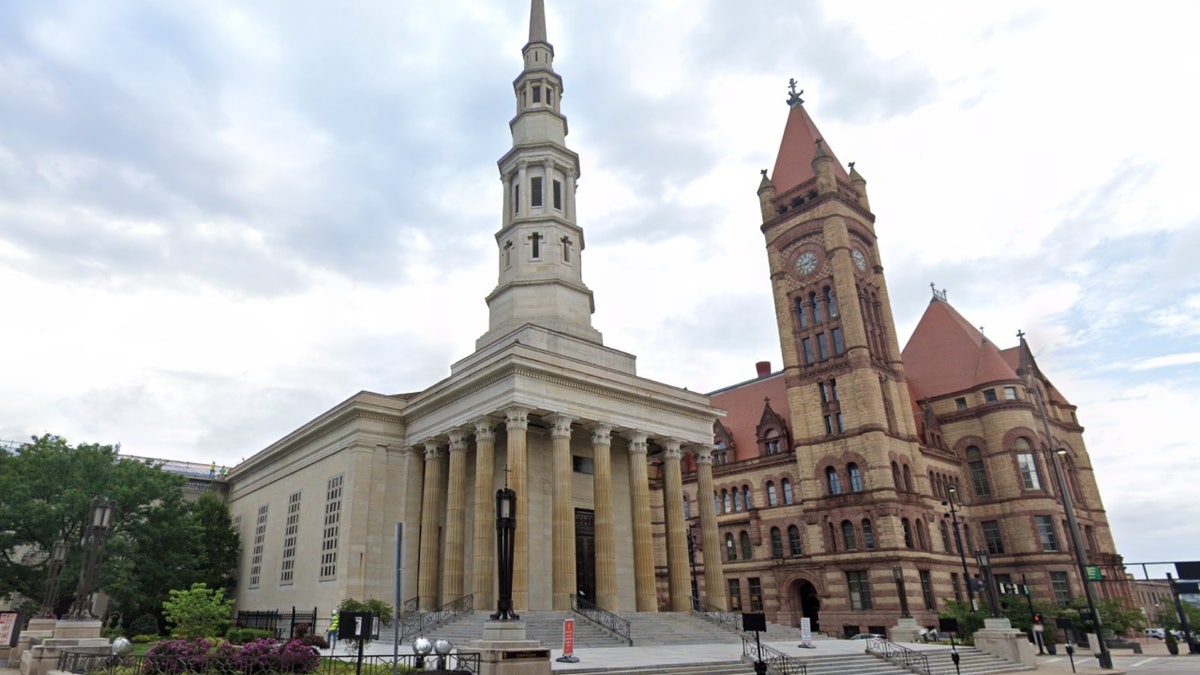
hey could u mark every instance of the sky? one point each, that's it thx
(220, 219)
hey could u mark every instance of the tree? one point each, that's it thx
(381, 609)
(1168, 617)
(198, 612)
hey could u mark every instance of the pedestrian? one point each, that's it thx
(331, 635)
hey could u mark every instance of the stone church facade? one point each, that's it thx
(796, 493)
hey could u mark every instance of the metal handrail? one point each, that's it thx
(915, 661)
(97, 664)
(410, 605)
(777, 662)
(602, 617)
(416, 624)
(727, 620)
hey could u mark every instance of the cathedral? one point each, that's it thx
(857, 476)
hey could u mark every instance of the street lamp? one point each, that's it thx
(953, 492)
(1104, 657)
(94, 537)
(506, 525)
(898, 575)
(58, 558)
(985, 564)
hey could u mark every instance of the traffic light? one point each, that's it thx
(1037, 619)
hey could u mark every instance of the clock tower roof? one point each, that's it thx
(798, 148)
(946, 354)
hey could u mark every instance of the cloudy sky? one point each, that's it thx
(218, 219)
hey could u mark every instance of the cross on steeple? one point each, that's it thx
(794, 96)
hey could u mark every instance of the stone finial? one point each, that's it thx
(794, 96)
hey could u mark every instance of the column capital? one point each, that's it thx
(671, 449)
(433, 449)
(485, 429)
(517, 418)
(560, 425)
(458, 439)
(703, 454)
(637, 442)
(601, 434)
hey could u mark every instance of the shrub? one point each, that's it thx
(198, 612)
(171, 657)
(240, 636)
(146, 624)
(314, 640)
(143, 639)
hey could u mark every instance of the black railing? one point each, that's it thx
(410, 605)
(730, 621)
(417, 624)
(96, 664)
(901, 656)
(275, 620)
(602, 617)
(777, 662)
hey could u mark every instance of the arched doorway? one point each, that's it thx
(804, 596)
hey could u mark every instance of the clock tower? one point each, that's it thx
(846, 389)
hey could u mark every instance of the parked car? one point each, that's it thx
(868, 636)
(1156, 633)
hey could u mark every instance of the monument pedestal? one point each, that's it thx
(906, 630)
(505, 651)
(999, 638)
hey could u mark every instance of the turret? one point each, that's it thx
(766, 197)
(860, 186)
(822, 165)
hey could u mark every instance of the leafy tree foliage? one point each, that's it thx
(157, 540)
(381, 609)
(1168, 617)
(198, 612)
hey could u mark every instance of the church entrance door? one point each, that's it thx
(585, 553)
(810, 605)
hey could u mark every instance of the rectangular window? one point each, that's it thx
(991, 535)
(535, 190)
(1045, 527)
(735, 595)
(1061, 586)
(829, 425)
(583, 465)
(332, 524)
(956, 587)
(557, 188)
(860, 590)
(1029, 471)
(822, 346)
(516, 197)
(260, 538)
(756, 603)
(808, 352)
(979, 478)
(989, 395)
(1010, 393)
(841, 425)
(824, 392)
(288, 566)
(537, 94)
(960, 403)
(927, 590)
(839, 345)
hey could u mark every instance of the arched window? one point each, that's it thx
(979, 477)
(772, 498)
(776, 543)
(794, 540)
(945, 536)
(868, 534)
(856, 481)
(921, 534)
(907, 479)
(746, 497)
(787, 491)
(716, 503)
(727, 501)
(896, 474)
(801, 312)
(816, 307)
(830, 302)
(747, 550)
(908, 535)
(737, 499)
(730, 548)
(832, 539)
(849, 541)
(835, 483)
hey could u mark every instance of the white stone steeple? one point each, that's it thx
(539, 245)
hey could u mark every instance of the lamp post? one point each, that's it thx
(985, 564)
(506, 525)
(1104, 657)
(94, 537)
(58, 558)
(898, 575)
(962, 556)
(692, 562)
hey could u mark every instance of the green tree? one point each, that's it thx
(968, 621)
(198, 612)
(1168, 617)
(379, 608)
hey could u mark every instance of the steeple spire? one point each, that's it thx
(537, 22)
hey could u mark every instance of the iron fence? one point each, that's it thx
(81, 663)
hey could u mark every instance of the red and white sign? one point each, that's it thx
(806, 631)
(568, 637)
(8, 629)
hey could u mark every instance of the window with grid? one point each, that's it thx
(1062, 587)
(332, 525)
(794, 540)
(868, 534)
(849, 541)
(860, 589)
(787, 491)
(927, 590)
(756, 603)
(288, 565)
(260, 538)
(1029, 471)
(735, 595)
(772, 497)
(856, 480)
(991, 536)
(747, 549)
(979, 479)
(945, 537)
(776, 543)
(730, 547)
(1045, 527)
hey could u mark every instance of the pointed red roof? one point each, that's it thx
(947, 354)
(793, 164)
(744, 402)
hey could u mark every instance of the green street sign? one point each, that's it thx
(1093, 573)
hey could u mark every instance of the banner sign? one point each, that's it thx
(568, 637)
(806, 631)
(10, 628)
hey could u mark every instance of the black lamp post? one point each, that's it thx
(94, 537)
(953, 492)
(58, 558)
(898, 575)
(506, 525)
(985, 564)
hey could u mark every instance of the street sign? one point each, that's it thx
(1093, 573)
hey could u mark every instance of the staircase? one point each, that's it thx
(545, 627)
(972, 660)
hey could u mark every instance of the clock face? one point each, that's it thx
(860, 261)
(806, 263)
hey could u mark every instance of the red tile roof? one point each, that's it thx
(947, 354)
(793, 164)
(744, 402)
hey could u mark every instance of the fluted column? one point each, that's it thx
(677, 548)
(643, 545)
(483, 570)
(456, 493)
(431, 508)
(606, 547)
(517, 420)
(714, 576)
(563, 514)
